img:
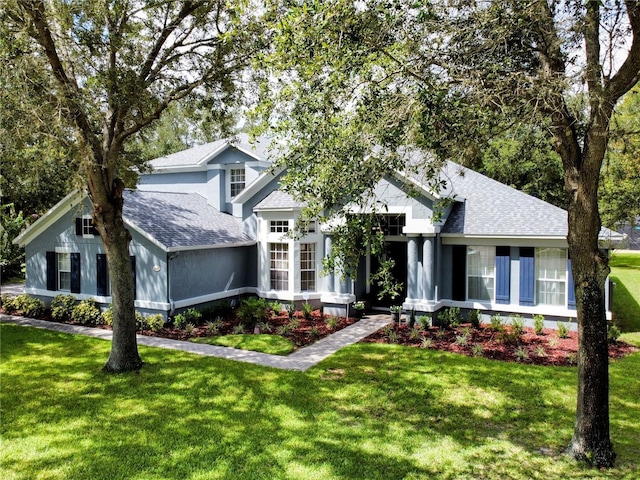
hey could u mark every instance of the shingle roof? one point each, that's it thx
(182, 220)
(277, 200)
(200, 153)
(487, 207)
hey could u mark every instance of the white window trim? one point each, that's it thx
(287, 270)
(314, 269)
(540, 279)
(467, 275)
(87, 226)
(59, 271)
(228, 169)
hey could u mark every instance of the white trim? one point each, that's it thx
(285, 295)
(338, 298)
(258, 184)
(80, 296)
(187, 302)
(64, 250)
(211, 247)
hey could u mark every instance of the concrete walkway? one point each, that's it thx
(300, 360)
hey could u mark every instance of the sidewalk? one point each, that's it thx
(300, 360)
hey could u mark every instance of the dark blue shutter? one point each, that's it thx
(459, 273)
(133, 275)
(75, 273)
(52, 271)
(572, 288)
(503, 274)
(527, 276)
(79, 226)
(101, 274)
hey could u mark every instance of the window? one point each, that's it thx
(85, 228)
(279, 226)
(64, 271)
(236, 182)
(279, 266)
(481, 263)
(392, 225)
(308, 267)
(551, 276)
(311, 228)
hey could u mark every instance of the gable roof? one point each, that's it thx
(278, 200)
(182, 221)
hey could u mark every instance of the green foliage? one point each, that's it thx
(238, 329)
(424, 321)
(412, 318)
(7, 304)
(27, 305)
(62, 307)
(426, 342)
(538, 323)
(517, 323)
(276, 307)
(449, 317)
(189, 329)
(508, 336)
(190, 315)
(153, 322)
(332, 322)
(497, 322)
(290, 308)
(214, 326)
(87, 312)
(613, 333)
(474, 317)
(264, 327)
(307, 310)
(477, 350)
(271, 344)
(563, 330)
(253, 310)
(521, 354)
(462, 340)
(107, 316)
(11, 255)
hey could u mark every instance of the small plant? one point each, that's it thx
(521, 354)
(553, 342)
(7, 304)
(572, 358)
(538, 324)
(496, 322)
(508, 337)
(462, 340)
(141, 321)
(466, 331)
(517, 323)
(180, 321)
(386, 330)
(613, 333)
(541, 352)
(449, 317)
(307, 310)
(294, 323)
(214, 326)
(29, 306)
(238, 329)
(87, 312)
(563, 330)
(440, 333)
(314, 331)
(332, 322)
(358, 305)
(189, 329)
(155, 322)
(62, 307)
(393, 336)
(426, 342)
(477, 350)
(276, 308)
(424, 321)
(253, 310)
(290, 308)
(474, 317)
(283, 330)
(412, 318)
(107, 316)
(264, 327)
(414, 333)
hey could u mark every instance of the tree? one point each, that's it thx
(112, 69)
(448, 77)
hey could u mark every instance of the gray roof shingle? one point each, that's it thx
(278, 200)
(182, 220)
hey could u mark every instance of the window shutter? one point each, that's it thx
(571, 287)
(133, 275)
(52, 271)
(101, 274)
(459, 273)
(79, 226)
(75, 273)
(527, 276)
(503, 275)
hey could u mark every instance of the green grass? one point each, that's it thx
(370, 411)
(625, 272)
(273, 344)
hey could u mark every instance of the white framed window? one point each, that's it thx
(279, 226)
(64, 271)
(87, 227)
(551, 276)
(311, 228)
(308, 267)
(279, 266)
(236, 181)
(481, 273)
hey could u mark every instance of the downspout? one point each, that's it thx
(172, 308)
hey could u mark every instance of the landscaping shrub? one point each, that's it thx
(155, 322)
(276, 308)
(496, 322)
(307, 310)
(517, 323)
(538, 323)
(253, 310)
(8, 304)
(332, 322)
(613, 333)
(449, 317)
(290, 308)
(62, 307)
(191, 315)
(474, 318)
(412, 318)
(87, 312)
(107, 316)
(29, 306)
(563, 330)
(215, 325)
(424, 321)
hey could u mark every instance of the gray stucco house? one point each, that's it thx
(209, 223)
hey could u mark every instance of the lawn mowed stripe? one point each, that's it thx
(369, 411)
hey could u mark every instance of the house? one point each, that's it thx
(210, 223)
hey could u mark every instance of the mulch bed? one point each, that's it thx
(545, 349)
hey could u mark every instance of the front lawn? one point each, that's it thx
(625, 272)
(370, 411)
(273, 344)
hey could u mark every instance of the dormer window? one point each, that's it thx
(236, 181)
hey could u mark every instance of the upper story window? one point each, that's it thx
(236, 181)
(392, 225)
(279, 226)
(85, 228)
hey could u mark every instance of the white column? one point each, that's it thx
(428, 267)
(330, 278)
(412, 268)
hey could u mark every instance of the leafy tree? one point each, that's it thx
(447, 77)
(111, 69)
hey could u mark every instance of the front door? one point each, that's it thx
(397, 250)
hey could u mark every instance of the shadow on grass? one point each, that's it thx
(625, 307)
(370, 411)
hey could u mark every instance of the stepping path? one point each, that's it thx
(300, 360)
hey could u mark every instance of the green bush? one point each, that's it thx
(474, 318)
(190, 315)
(517, 323)
(538, 324)
(613, 333)
(87, 312)
(153, 322)
(307, 310)
(253, 310)
(8, 304)
(563, 330)
(424, 321)
(496, 322)
(28, 306)
(62, 307)
(412, 318)
(276, 308)
(107, 316)
(449, 317)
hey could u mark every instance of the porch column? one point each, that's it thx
(428, 267)
(412, 268)
(330, 277)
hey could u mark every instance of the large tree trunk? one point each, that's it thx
(591, 441)
(107, 216)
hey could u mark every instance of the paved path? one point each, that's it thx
(12, 288)
(300, 360)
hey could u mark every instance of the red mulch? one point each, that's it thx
(545, 349)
